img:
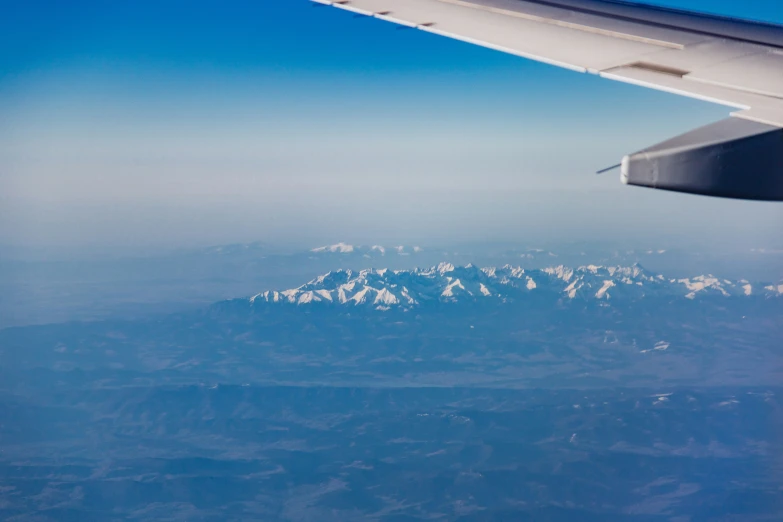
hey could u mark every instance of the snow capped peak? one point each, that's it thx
(561, 272)
(452, 287)
(442, 268)
(386, 289)
(602, 292)
(385, 297)
(775, 289)
(705, 283)
(342, 248)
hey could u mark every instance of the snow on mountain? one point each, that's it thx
(345, 248)
(775, 289)
(445, 282)
(342, 248)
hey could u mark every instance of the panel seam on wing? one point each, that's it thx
(567, 25)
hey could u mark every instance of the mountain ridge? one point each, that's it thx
(445, 282)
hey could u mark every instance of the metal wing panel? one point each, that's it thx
(561, 44)
(760, 73)
(585, 20)
(704, 54)
(644, 77)
(579, 49)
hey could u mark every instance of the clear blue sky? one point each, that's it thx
(193, 122)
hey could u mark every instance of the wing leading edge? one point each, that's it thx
(733, 62)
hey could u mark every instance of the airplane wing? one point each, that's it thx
(734, 62)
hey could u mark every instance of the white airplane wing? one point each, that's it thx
(734, 62)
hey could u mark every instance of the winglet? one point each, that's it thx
(733, 158)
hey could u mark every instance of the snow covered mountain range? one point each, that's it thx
(383, 289)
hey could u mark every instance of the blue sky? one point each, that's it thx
(179, 123)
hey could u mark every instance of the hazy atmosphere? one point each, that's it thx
(187, 124)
